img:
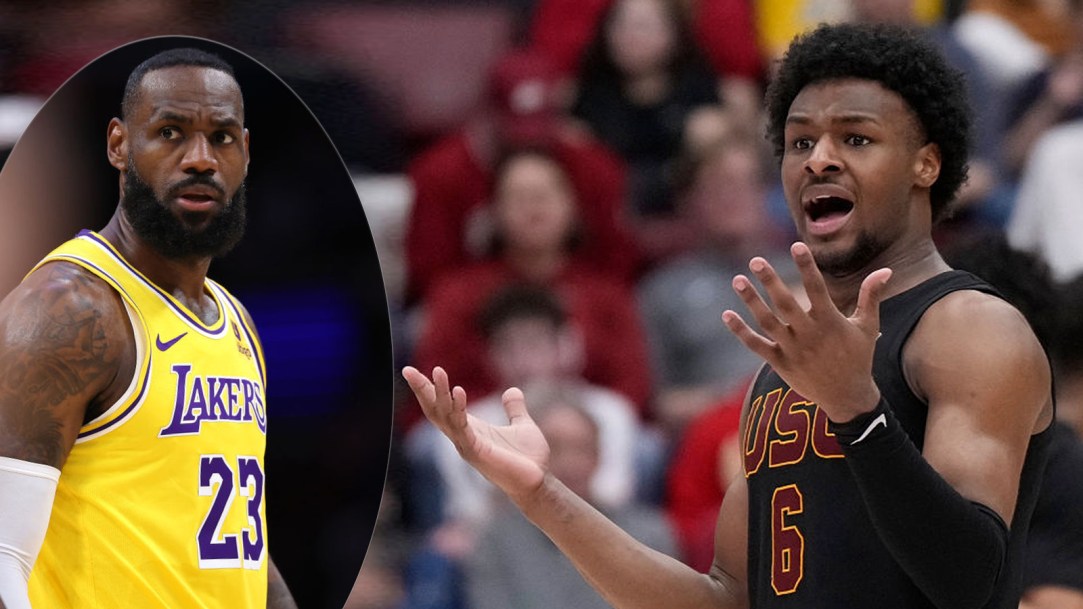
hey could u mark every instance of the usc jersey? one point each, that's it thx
(161, 501)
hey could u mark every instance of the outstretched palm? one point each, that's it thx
(514, 457)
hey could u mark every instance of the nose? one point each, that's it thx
(824, 158)
(199, 156)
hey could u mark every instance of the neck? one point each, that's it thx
(182, 278)
(536, 265)
(649, 88)
(911, 263)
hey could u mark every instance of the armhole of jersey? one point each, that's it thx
(248, 330)
(133, 397)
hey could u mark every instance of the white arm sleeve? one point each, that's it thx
(26, 500)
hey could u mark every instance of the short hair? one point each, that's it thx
(186, 56)
(901, 61)
(520, 301)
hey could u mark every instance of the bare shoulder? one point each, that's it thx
(64, 334)
(974, 342)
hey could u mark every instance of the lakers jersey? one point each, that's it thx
(161, 501)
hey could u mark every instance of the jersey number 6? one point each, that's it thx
(787, 542)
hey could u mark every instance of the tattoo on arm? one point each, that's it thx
(55, 355)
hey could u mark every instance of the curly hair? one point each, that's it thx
(900, 60)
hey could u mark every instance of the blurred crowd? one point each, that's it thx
(561, 191)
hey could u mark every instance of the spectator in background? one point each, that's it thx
(514, 565)
(1051, 97)
(536, 214)
(642, 84)
(453, 179)
(703, 464)
(530, 344)
(724, 30)
(1053, 573)
(695, 360)
(1047, 215)
(1012, 39)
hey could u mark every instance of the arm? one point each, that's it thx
(63, 338)
(626, 573)
(278, 594)
(984, 403)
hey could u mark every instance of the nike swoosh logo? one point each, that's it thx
(880, 420)
(169, 343)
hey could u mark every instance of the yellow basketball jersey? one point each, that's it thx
(161, 502)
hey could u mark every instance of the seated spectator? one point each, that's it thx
(1047, 215)
(515, 566)
(706, 459)
(453, 179)
(1012, 39)
(695, 360)
(641, 82)
(535, 213)
(724, 30)
(1051, 97)
(531, 345)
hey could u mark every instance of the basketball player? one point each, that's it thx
(132, 414)
(894, 439)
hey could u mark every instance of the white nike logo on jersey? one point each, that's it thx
(880, 420)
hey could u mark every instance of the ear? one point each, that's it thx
(571, 350)
(927, 165)
(116, 142)
(246, 157)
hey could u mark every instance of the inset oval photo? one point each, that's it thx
(202, 350)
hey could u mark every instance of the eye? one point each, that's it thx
(857, 140)
(224, 137)
(170, 133)
(801, 143)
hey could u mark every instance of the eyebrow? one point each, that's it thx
(846, 119)
(174, 117)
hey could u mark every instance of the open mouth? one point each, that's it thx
(828, 207)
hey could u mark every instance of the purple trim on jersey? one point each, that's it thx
(244, 324)
(131, 407)
(181, 311)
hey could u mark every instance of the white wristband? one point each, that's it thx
(26, 500)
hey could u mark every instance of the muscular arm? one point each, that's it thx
(987, 382)
(62, 340)
(944, 517)
(278, 593)
(63, 337)
(628, 574)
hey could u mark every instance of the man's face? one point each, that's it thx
(187, 156)
(527, 349)
(855, 170)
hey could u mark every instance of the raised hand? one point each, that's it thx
(820, 352)
(514, 457)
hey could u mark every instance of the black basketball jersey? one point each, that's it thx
(811, 542)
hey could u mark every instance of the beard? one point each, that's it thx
(842, 264)
(169, 234)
